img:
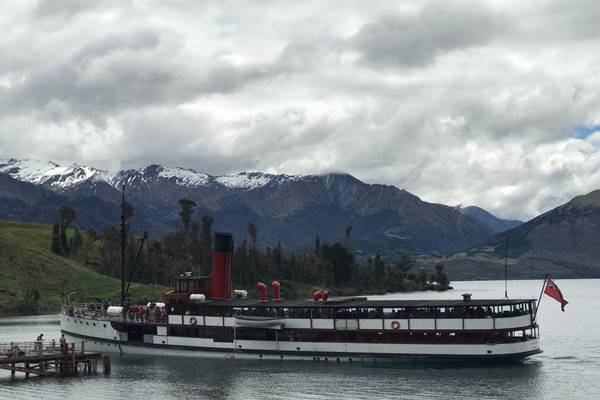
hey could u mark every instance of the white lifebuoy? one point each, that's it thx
(395, 325)
(193, 321)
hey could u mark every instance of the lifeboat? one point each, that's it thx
(254, 321)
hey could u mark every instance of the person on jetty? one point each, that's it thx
(64, 347)
(14, 351)
(39, 342)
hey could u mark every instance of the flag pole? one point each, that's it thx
(540, 299)
(506, 271)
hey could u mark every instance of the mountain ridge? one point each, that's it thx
(293, 209)
(562, 242)
(496, 224)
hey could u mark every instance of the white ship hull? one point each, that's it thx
(99, 335)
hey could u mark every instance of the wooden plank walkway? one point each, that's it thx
(47, 359)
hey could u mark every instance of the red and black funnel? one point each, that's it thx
(221, 266)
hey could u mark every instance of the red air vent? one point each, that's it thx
(276, 290)
(262, 292)
(317, 295)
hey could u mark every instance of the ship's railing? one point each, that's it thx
(316, 313)
(396, 324)
(98, 312)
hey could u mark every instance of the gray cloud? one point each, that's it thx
(415, 39)
(458, 102)
(121, 71)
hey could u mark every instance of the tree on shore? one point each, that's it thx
(76, 242)
(187, 209)
(342, 262)
(317, 246)
(330, 265)
(55, 247)
(253, 262)
(206, 242)
(67, 216)
(440, 275)
(348, 232)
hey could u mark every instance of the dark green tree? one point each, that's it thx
(206, 239)
(377, 272)
(348, 232)
(76, 242)
(240, 265)
(91, 234)
(195, 249)
(342, 262)
(174, 250)
(187, 209)
(277, 260)
(440, 275)
(253, 259)
(110, 251)
(317, 246)
(422, 277)
(55, 247)
(66, 216)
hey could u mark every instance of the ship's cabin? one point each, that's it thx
(357, 319)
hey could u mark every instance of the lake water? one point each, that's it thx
(569, 368)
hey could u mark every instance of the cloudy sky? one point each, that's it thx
(495, 104)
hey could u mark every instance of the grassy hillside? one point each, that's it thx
(29, 269)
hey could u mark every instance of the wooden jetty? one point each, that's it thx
(49, 359)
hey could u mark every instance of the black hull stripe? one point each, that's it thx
(310, 354)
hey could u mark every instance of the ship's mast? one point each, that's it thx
(123, 244)
(506, 271)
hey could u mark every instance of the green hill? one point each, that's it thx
(30, 271)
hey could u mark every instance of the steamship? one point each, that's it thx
(206, 317)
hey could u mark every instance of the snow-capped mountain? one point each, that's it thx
(190, 178)
(287, 208)
(49, 174)
(61, 178)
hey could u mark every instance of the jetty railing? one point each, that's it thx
(19, 349)
(50, 358)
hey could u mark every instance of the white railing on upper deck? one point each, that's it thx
(386, 323)
(85, 311)
(389, 321)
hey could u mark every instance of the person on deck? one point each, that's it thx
(141, 312)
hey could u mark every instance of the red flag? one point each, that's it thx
(553, 291)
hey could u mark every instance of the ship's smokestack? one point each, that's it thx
(221, 266)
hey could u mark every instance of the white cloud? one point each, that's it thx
(455, 101)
